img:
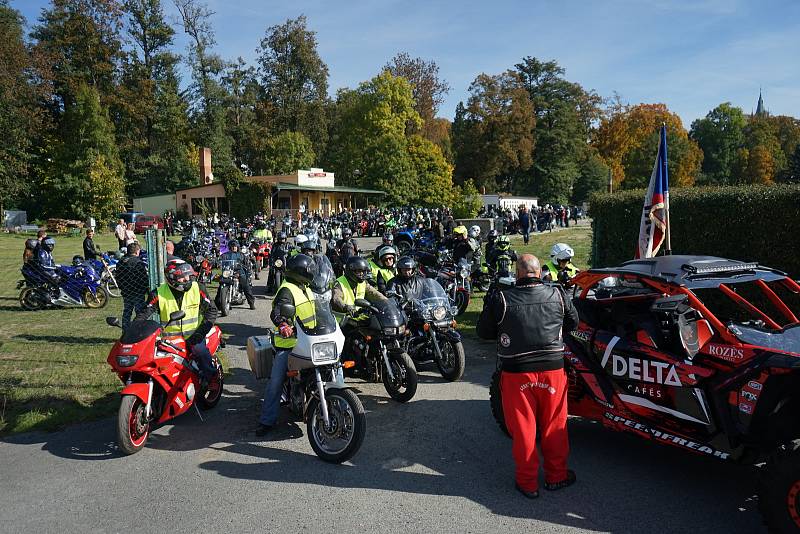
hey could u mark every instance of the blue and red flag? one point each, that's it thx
(654, 226)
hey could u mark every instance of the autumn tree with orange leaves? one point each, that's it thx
(627, 140)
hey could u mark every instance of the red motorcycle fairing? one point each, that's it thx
(213, 339)
(140, 389)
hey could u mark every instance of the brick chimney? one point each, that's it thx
(205, 166)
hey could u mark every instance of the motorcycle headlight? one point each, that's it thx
(465, 273)
(227, 273)
(279, 263)
(126, 360)
(323, 352)
(439, 313)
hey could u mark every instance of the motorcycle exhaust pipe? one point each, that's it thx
(323, 404)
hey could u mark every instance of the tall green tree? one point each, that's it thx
(592, 177)
(564, 114)
(295, 80)
(434, 175)
(22, 121)
(87, 170)
(493, 135)
(369, 147)
(287, 152)
(244, 123)
(152, 122)
(207, 94)
(81, 40)
(427, 89)
(719, 135)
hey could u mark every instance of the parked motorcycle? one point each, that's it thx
(314, 386)
(161, 379)
(78, 285)
(455, 279)
(277, 266)
(376, 349)
(433, 336)
(229, 292)
(107, 265)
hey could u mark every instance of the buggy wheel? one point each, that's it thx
(779, 490)
(496, 402)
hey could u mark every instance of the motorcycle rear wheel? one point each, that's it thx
(30, 299)
(112, 288)
(404, 386)
(452, 368)
(211, 396)
(348, 426)
(133, 428)
(96, 300)
(496, 402)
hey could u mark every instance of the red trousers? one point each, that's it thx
(537, 402)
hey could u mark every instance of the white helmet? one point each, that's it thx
(474, 231)
(561, 251)
(300, 239)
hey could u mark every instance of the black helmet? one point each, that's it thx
(281, 237)
(406, 262)
(179, 275)
(311, 245)
(492, 235)
(77, 261)
(48, 243)
(388, 238)
(356, 269)
(347, 232)
(300, 269)
(233, 243)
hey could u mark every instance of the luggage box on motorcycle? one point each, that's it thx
(260, 355)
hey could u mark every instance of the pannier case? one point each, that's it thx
(260, 355)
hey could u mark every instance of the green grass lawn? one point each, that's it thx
(579, 238)
(52, 362)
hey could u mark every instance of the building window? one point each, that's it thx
(222, 204)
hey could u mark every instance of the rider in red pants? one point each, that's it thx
(527, 321)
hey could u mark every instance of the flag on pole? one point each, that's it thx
(654, 226)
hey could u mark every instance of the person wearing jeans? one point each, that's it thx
(131, 275)
(525, 224)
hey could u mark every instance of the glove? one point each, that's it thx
(285, 330)
(194, 339)
(352, 311)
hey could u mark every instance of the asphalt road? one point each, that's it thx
(435, 464)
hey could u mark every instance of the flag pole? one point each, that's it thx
(668, 234)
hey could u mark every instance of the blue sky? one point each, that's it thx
(688, 54)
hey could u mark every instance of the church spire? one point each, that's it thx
(760, 111)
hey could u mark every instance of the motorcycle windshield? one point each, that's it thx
(323, 274)
(432, 295)
(323, 322)
(138, 331)
(228, 264)
(389, 313)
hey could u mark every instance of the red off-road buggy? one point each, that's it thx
(697, 352)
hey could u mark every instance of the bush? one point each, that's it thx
(749, 222)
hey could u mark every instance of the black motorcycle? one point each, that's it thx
(277, 266)
(433, 334)
(230, 291)
(374, 349)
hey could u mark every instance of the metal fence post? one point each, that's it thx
(156, 256)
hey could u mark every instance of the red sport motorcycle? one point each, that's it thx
(161, 379)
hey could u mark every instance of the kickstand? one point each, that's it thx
(197, 409)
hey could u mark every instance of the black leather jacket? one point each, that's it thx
(407, 288)
(528, 322)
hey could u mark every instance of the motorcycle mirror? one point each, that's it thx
(177, 315)
(362, 303)
(113, 321)
(287, 310)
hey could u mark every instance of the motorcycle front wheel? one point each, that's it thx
(224, 301)
(404, 385)
(95, 300)
(451, 364)
(461, 301)
(30, 299)
(133, 428)
(348, 426)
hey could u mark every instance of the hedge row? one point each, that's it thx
(750, 223)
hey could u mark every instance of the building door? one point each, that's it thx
(325, 206)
